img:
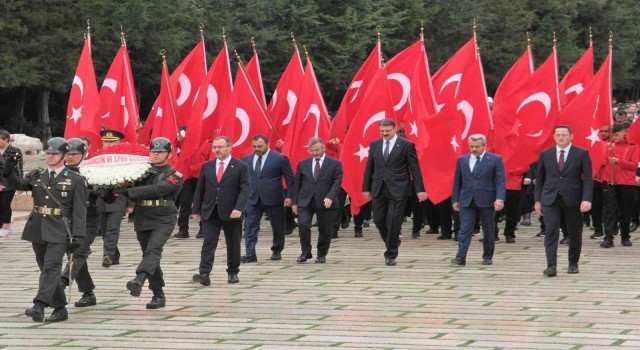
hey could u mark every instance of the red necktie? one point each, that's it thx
(220, 171)
(561, 160)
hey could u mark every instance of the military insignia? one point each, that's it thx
(156, 144)
(172, 179)
(178, 174)
(63, 194)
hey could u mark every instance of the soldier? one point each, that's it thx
(80, 272)
(155, 219)
(57, 224)
(111, 213)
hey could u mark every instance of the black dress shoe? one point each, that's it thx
(358, 232)
(365, 223)
(276, 256)
(106, 261)
(321, 260)
(596, 235)
(626, 242)
(182, 234)
(540, 234)
(487, 262)
(564, 241)
(36, 312)
(443, 237)
(607, 243)
(550, 271)
(303, 258)
(510, 239)
(202, 279)
(432, 231)
(344, 224)
(289, 230)
(415, 235)
(135, 285)
(88, 299)
(334, 235)
(460, 261)
(200, 234)
(390, 261)
(157, 301)
(249, 258)
(573, 268)
(233, 278)
(59, 314)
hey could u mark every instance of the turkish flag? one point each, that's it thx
(283, 102)
(446, 81)
(184, 81)
(352, 99)
(311, 119)
(211, 100)
(406, 71)
(589, 111)
(532, 109)
(84, 101)
(118, 104)
(244, 117)
(255, 75)
(576, 79)
(164, 113)
(443, 146)
(376, 105)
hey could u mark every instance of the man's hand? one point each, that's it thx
(294, 209)
(121, 191)
(334, 141)
(279, 144)
(196, 217)
(287, 202)
(236, 214)
(456, 206)
(527, 181)
(327, 203)
(498, 205)
(129, 210)
(367, 195)
(585, 206)
(422, 196)
(76, 242)
(2, 188)
(537, 207)
(613, 160)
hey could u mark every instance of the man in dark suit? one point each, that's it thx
(392, 163)
(315, 190)
(267, 169)
(564, 190)
(219, 201)
(478, 192)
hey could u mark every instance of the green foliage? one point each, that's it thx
(42, 39)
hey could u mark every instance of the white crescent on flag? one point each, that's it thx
(185, 89)
(315, 110)
(374, 118)
(575, 88)
(541, 97)
(406, 89)
(212, 102)
(292, 99)
(467, 109)
(243, 117)
(78, 81)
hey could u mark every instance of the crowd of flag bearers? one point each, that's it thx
(401, 135)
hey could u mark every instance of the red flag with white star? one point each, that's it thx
(84, 101)
(364, 129)
(576, 79)
(119, 107)
(446, 81)
(589, 111)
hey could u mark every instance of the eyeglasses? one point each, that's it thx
(219, 147)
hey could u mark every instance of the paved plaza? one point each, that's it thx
(353, 301)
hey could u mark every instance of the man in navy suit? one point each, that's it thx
(315, 191)
(564, 190)
(219, 202)
(479, 190)
(392, 163)
(267, 169)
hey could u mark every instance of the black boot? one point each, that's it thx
(135, 285)
(88, 299)
(157, 301)
(36, 312)
(59, 314)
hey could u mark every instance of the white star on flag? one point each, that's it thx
(593, 137)
(414, 128)
(454, 143)
(159, 113)
(76, 114)
(362, 153)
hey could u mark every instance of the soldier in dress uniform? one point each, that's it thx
(57, 224)
(111, 213)
(155, 219)
(80, 271)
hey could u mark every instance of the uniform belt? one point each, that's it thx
(155, 203)
(48, 211)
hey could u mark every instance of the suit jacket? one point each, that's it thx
(267, 187)
(395, 172)
(326, 186)
(483, 188)
(574, 182)
(230, 194)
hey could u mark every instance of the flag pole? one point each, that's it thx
(173, 107)
(255, 94)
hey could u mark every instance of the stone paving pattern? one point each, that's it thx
(353, 301)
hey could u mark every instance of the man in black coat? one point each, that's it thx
(267, 169)
(564, 190)
(219, 202)
(392, 162)
(315, 191)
